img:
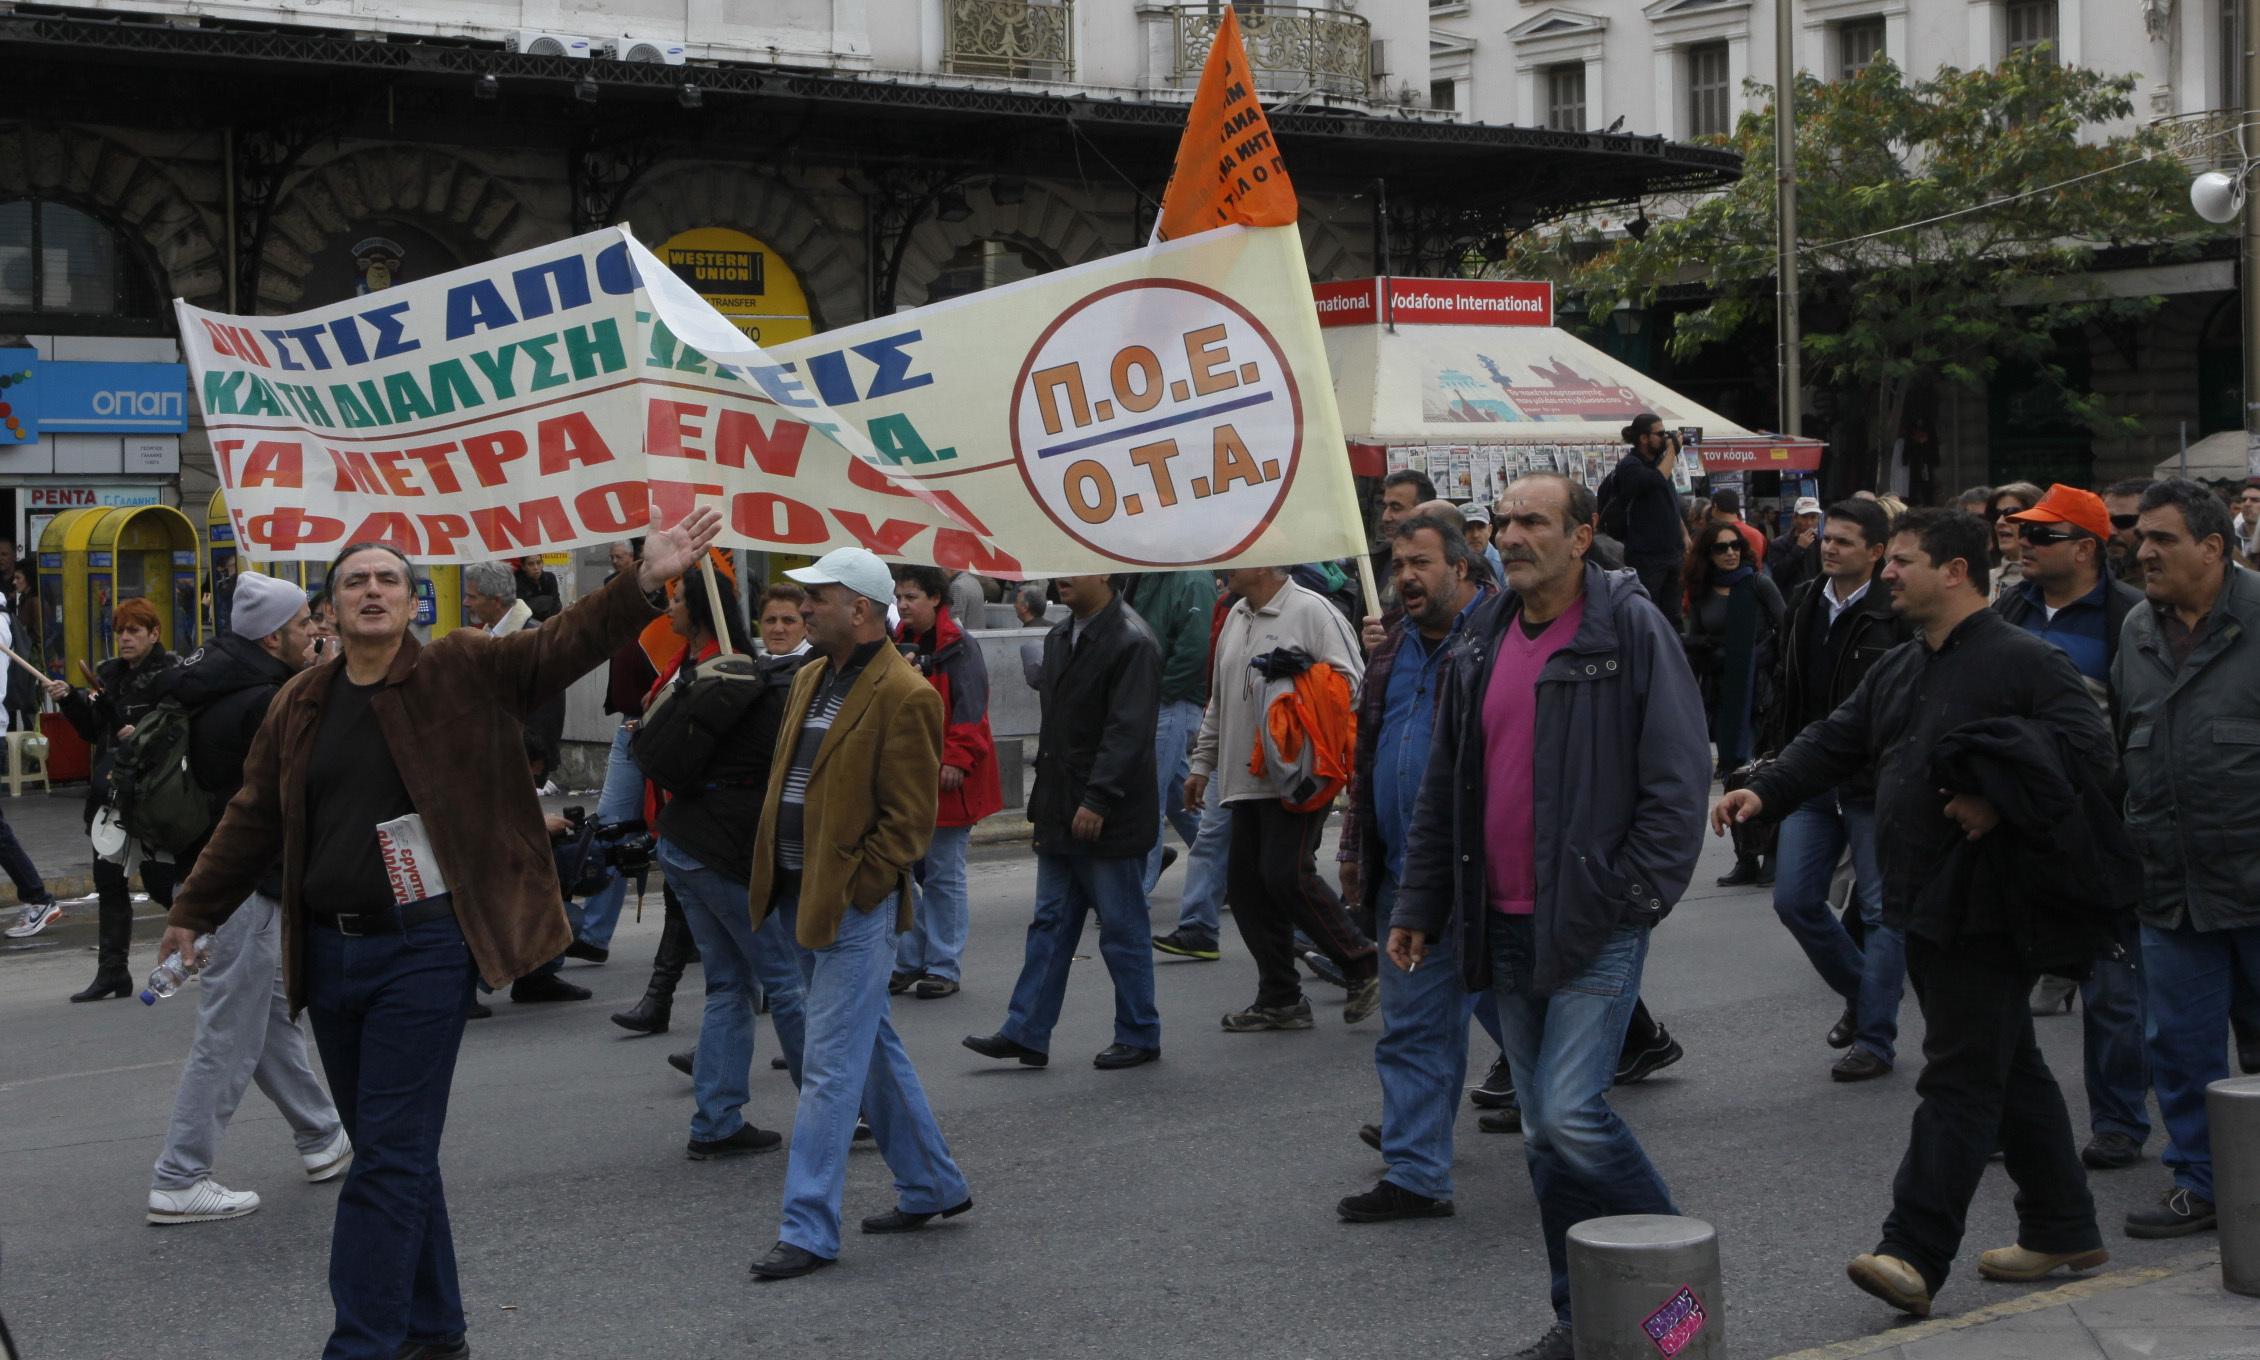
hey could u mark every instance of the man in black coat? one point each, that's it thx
(1972, 952)
(1096, 814)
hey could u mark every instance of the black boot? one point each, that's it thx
(676, 950)
(113, 936)
(1745, 872)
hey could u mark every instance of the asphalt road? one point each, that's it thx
(1184, 1208)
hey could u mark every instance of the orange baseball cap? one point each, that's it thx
(2070, 505)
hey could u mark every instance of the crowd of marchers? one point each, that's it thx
(1996, 751)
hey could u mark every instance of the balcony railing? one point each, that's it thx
(1291, 49)
(1013, 39)
(2204, 141)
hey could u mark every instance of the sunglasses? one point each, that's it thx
(2041, 535)
(1993, 513)
(1722, 549)
(2124, 522)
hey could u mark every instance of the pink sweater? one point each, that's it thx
(1510, 746)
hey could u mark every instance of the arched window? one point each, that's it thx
(985, 264)
(64, 269)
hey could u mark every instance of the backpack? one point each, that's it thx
(683, 725)
(1616, 511)
(152, 791)
(1308, 736)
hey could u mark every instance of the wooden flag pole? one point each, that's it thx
(1372, 594)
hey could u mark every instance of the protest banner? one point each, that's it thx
(1161, 409)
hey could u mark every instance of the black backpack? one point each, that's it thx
(1616, 516)
(683, 725)
(155, 794)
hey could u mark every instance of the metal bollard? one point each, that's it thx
(1641, 1285)
(2232, 1112)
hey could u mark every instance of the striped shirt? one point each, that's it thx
(823, 706)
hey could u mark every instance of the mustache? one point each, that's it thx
(1518, 556)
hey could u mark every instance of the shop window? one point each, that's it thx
(60, 265)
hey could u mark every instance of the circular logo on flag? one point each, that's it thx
(1156, 422)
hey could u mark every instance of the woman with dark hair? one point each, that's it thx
(1734, 613)
(706, 837)
(126, 688)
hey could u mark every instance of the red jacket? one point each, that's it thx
(956, 670)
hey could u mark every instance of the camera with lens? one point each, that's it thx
(594, 850)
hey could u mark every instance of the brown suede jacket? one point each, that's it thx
(872, 791)
(453, 716)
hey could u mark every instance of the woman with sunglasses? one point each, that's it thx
(1734, 613)
(2013, 498)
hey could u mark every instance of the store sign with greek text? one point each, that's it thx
(1165, 408)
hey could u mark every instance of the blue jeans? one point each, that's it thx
(935, 941)
(388, 1013)
(1179, 721)
(1584, 1161)
(852, 1060)
(1422, 1059)
(1870, 977)
(621, 800)
(2118, 1075)
(30, 887)
(1200, 910)
(741, 965)
(2189, 977)
(1068, 888)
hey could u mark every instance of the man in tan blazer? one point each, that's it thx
(850, 808)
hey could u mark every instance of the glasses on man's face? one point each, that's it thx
(2123, 522)
(2041, 535)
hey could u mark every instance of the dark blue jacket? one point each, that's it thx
(1623, 771)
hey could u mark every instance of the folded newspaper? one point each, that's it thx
(410, 864)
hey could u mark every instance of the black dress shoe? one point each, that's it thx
(1370, 1135)
(547, 987)
(998, 1047)
(1115, 1056)
(788, 1262)
(682, 1061)
(1559, 1343)
(1389, 1200)
(1501, 1121)
(744, 1143)
(779, 1065)
(582, 949)
(458, 1349)
(1168, 857)
(1662, 1051)
(898, 1221)
(480, 1010)
(1840, 1033)
(1745, 872)
(1859, 1065)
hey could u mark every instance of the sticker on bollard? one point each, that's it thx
(1672, 1326)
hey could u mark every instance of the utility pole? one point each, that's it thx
(2248, 282)
(1785, 226)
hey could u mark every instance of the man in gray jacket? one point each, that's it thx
(1559, 820)
(2187, 677)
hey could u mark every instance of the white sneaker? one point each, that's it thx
(37, 917)
(329, 1160)
(203, 1202)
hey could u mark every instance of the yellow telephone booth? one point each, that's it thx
(91, 558)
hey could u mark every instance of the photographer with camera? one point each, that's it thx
(1640, 509)
(706, 835)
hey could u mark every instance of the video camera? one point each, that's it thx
(588, 855)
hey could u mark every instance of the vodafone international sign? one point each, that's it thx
(1435, 302)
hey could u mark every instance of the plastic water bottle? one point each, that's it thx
(174, 971)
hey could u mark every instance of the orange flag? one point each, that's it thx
(1228, 167)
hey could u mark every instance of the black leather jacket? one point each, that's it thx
(1870, 630)
(1097, 747)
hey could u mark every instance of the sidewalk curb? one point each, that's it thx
(2073, 1292)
